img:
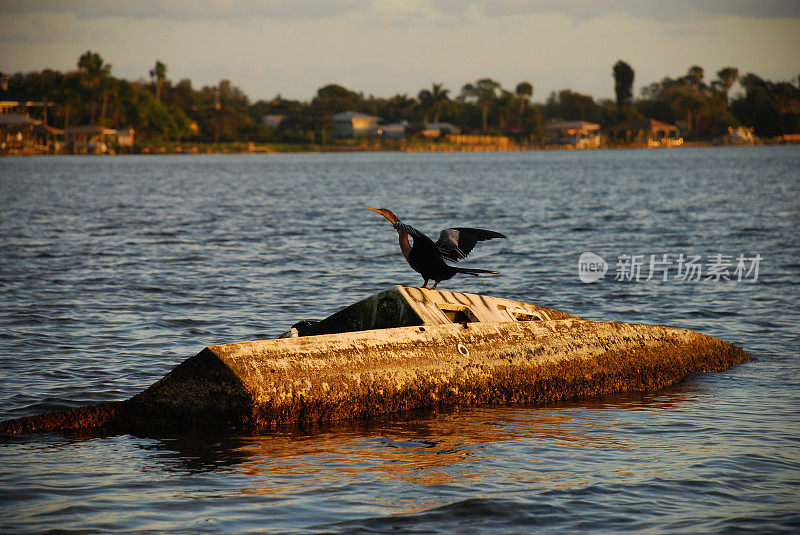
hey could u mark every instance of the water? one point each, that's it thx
(116, 269)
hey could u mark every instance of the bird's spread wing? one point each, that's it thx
(456, 243)
(414, 233)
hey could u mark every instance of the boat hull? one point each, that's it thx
(357, 375)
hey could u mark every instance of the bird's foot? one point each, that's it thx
(434, 285)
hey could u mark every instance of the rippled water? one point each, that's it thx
(116, 269)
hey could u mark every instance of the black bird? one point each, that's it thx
(427, 257)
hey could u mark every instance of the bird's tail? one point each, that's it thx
(476, 272)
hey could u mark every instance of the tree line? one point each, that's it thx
(162, 110)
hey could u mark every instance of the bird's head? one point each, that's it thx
(385, 212)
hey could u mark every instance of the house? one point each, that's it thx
(125, 139)
(737, 136)
(578, 134)
(9, 101)
(434, 130)
(92, 139)
(646, 132)
(393, 130)
(17, 133)
(354, 124)
(48, 138)
(273, 121)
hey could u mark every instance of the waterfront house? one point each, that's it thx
(737, 136)
(645, 132)
(355, 124)
(434, 130)
(93, 139)
(576, 134)
(17, 133)
(125, 139)
(273, 121)
(47, 138)
(393, 130)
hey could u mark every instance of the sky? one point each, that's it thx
(388, 47)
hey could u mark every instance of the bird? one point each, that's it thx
(427, 257)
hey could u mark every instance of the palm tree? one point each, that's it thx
(784, 101)
(426, 103)
(507, 107)
(695, 76)
(623, 83)
(690, 104)
(434, 100)
(159, 74)
(727, 76)
(485, 92)
(401, 105)
(69, 95)
(94, 72)
(524, 92)
(109, 87)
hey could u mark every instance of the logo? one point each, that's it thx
(665, 267)
(591, 267)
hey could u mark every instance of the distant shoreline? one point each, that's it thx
(367, 146)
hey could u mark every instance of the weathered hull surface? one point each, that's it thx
(360, 374)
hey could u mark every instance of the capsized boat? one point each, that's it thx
(405, 348)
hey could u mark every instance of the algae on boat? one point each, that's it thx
(406, 348)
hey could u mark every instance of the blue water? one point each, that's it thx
(115, 269)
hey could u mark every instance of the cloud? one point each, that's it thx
(670, 11)
(50, 28)
(384, 47)
(392, 12)
(189, 9)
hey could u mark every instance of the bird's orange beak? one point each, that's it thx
(386, 213)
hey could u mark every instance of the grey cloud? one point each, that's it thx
(189, 9)
(294, 10)
(669, 11)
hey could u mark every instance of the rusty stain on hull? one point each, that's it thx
(416, 357)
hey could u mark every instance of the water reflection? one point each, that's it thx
(417, 446)
(158, 257)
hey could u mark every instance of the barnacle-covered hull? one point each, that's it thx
(406, 348)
